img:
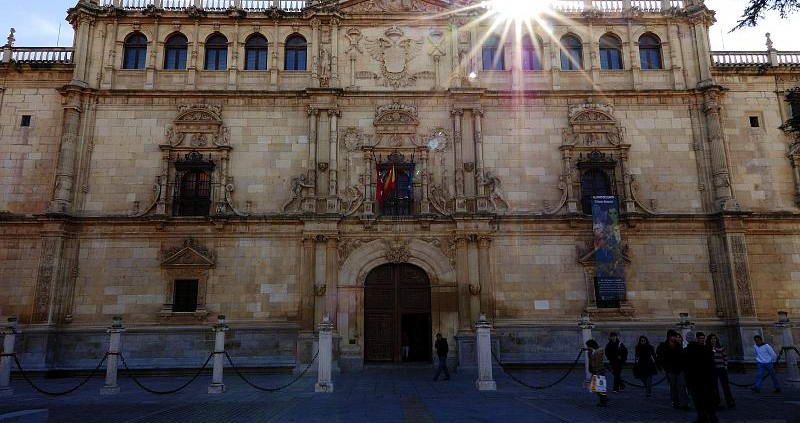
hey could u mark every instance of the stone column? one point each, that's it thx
(483, 341)
(82, 23)
(112, 361)
(461, 202)
(685, 327)
(331, 277)
(462, 275)
(369, 184)
(9, 338)
(333, 173)
(424, 202)
(324, 382)
(723, 192)
(313, 50)
(480, 170)
(335, 82)
(586, 325)
(795, 160)
(63, 192)
(313, 122)
(784, 327)
(485, 275)
(217, 386)
(307, 270)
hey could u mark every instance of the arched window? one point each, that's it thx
(610, 52)
(255, 53)
(217, 52)
(175, 50)
(650, 52)
(571, 53)
(135, 52)
(296, 53)
(531, 54)
(594, 182)
(492, 54)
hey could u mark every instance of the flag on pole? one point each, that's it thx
(390, 183)
(379, 185)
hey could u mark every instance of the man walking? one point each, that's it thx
(700, 377)
(617, 355)
(441, 353)
(670, 359)
(766, 358)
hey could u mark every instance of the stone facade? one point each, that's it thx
(709, 202)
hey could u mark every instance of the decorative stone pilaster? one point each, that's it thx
(307, 270)
(586, 325)
(324, 381)
(9, 339)
(63, 191)
(331, 277)
(112, 361)
(483, 341)
(461, 201)
(784, 327)
(484, 275)
(333, 172)
(217, 386)
(462, 275)
(723, 191)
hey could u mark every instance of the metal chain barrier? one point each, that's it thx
(265, 389)
(752, 384)
(53, 393)
(171, 391)
(539, 388)
(636, 385)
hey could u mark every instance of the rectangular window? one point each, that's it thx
(185, 297)
(754, 123)
(25, 122)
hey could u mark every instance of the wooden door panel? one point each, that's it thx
(379, 337)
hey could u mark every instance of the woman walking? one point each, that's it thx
(597, 368)
(645, 367)
(721, 371)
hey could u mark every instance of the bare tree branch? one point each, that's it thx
(758, 8)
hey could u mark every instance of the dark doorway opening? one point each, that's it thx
(397, 315)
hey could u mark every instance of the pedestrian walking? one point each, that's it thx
(721, 372)
(617, 355)
(598, 370)
(645, 366)
(766, 358)
(699, 372)
(441, 353)
(669, 358)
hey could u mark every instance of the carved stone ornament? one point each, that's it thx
(397, 251)
(354, 38)
(394, 51)
(376, 6)
(201, 124)
(352, 199)
(191, 253)
(353, 138)
(301, 188)
(593, 125)
(493, 189)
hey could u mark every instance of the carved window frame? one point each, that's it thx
(597, 161)
(191, 261)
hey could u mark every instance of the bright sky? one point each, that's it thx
(37, 24)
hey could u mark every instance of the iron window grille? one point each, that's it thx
(192, 190)
(400, 201)
(597, 176)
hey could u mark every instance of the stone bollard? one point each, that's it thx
(483, 348)
(10, 336)
(685, 327)
(112, 361)
(324, 382)
(586, 326)
(784, 327)
(217, 387)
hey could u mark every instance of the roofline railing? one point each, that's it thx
(37, 55)
(742, 59)
(211, 5)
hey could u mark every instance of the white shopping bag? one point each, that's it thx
(599, 384)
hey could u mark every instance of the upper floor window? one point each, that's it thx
(255, 53)
(594, 183)
(571, 53)
(135, 51)
(492, 54)
(175, 50)
(395, 187)
(650, 52)
(217, 52)
(531, 54)
(192, 191)
(610, 52)
(296, 53)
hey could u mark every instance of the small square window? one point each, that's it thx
(754, 122)
(25, 122)
(185, 297)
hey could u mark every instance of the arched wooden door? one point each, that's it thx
(397, 314)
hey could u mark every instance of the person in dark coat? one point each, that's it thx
(700, 378)
(617, 355)
(645, 367)
(669, 358)
(441, 353)
(721, 371)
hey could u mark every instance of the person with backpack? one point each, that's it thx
(617, 355)
(645, 367)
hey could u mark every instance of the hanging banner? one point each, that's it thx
(609, 261)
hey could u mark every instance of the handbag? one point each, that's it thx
(599, 385)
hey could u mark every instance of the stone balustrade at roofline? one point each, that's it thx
(37, 55)
(743, 59)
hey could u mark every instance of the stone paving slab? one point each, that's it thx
(381, 395)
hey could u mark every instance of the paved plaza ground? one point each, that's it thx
(381, 394)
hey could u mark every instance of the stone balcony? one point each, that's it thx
(210, 5)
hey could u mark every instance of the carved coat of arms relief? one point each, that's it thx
(394, 51)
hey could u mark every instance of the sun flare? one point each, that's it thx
(518, 9)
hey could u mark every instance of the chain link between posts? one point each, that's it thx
(539, 388)
(54, 393)
(267, 389)
(129, 373)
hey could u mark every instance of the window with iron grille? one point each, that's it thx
(192, 190)
(597, 175)
(396, 176)
(185, 296)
